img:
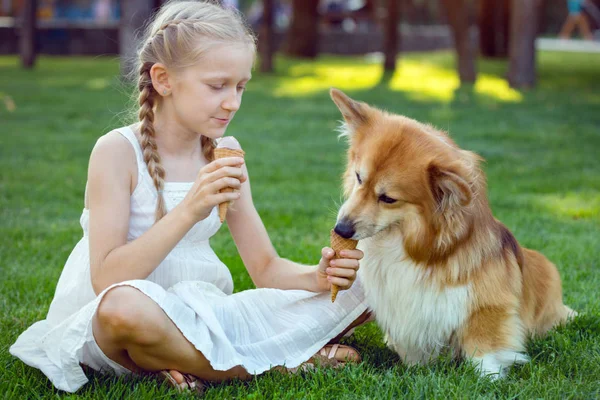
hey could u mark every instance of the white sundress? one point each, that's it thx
(257, 329)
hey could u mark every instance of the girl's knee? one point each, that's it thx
(125, 313)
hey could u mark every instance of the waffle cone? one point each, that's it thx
(338, 244)
(224, 152)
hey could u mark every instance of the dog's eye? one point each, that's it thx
(386, 199)
(358, 178)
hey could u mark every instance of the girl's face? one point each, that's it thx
(206, 96)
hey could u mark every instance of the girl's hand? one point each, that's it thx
(340, 272)
(204, 194)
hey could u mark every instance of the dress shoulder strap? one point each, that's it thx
(128, 133)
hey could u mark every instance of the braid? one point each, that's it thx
(208, 148)
(173, 23)
(149, 148)
(179, 36)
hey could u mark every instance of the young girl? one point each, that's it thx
(143, 291)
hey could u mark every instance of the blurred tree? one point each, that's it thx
(265, 39)
(493, 21)
(458, 18)
(524, 22)
(28, 28)
(390, 40)
(134, 14)
(303, 33)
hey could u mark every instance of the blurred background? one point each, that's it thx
(507, 29)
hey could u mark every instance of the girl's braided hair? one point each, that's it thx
(177, 38)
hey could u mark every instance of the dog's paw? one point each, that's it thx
(496, 365)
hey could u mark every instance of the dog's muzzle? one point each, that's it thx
(345, 228)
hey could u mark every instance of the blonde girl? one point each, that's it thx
(143, 291)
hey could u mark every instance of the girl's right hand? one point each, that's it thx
(214, 176)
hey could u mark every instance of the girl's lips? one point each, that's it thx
(222, 120)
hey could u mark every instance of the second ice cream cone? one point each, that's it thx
(338, 244)
(222, 152)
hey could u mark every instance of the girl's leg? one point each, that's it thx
(363, 318)
(346, 353)
(567, 27)
(134, 331)
(584, 28)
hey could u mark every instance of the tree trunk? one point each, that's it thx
(134, 14)
(458, 18)
(523, 31)
(493, 21)
(303, 34)
(390, 44)
(265, 43)
(28, 41)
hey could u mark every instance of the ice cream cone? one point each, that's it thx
(222, 152)
(338, 244)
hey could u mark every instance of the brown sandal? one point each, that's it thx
(190, 382)
(327, 357)
(352, 355)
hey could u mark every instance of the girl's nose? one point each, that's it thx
(233, 100)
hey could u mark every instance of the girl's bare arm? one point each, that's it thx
(112, 176)
(265, 267)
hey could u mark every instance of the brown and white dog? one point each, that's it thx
(439, 270)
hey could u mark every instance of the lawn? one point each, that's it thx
(542, 151)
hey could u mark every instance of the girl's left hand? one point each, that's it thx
(340, 272)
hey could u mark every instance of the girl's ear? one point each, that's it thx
(160, 79)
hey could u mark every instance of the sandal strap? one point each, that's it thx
(193, 383)
(333, 350)
(188, 378)
(166, 375)
(190, 382)
(329, 352)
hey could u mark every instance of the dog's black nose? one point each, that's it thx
(345, 229)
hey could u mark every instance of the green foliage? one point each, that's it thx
(542, 165)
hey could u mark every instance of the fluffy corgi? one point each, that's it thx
(439, 271)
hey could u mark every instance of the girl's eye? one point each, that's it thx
(358, 178)
(241, 88)
(387, 199)
(216, 87)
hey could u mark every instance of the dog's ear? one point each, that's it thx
(449, 189)
(354, 112)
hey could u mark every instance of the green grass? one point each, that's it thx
(543, 165)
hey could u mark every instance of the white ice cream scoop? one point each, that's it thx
(229, 142)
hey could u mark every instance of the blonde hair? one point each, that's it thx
(178, 36)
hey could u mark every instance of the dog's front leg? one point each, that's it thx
(409, 356)
(494, 339)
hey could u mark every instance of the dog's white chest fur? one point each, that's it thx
(417, 317)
